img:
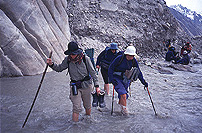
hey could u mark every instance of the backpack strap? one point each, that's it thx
(105, 54)
(84, 60)
(133, 62)
(120, 61)
(68, 66)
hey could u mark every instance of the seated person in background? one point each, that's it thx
(185, 59)
(186, 47)
(168, 43)
(171, 54)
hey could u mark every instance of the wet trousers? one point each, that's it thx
(121, 87)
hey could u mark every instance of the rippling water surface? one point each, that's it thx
(177, 98)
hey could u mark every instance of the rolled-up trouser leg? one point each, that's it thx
(76, 101)
(84, 94)
(86, 97)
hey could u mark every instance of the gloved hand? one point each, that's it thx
(146, 84)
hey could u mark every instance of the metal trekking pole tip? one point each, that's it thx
(151, 101)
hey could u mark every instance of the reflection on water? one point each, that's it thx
(178, 105)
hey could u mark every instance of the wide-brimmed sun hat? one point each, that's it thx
(131, 50)
(114, 46)
(73, 48)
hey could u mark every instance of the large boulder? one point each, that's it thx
(29, 30)
(18, 57)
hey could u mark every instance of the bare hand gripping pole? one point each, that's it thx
(44, 73)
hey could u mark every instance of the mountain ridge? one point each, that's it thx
(190, 21)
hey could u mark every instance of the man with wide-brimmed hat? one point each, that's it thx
(117, 75)
(82, 73)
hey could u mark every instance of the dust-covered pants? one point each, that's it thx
(84, 94)
(121, 87)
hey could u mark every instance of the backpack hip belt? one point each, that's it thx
(86, 78)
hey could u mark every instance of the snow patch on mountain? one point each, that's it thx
(190, 21)
(183, 10)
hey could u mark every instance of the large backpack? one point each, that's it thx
(104, 58)
(90, 53)
(134, 72)
(106, 49)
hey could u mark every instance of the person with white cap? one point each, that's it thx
(116, 72)
(185, 59)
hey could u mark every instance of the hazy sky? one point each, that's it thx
(194, 5)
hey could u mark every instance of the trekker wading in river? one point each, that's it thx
(118, 75)
(104, 59)
(82, 73)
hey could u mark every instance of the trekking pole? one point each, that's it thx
(130, 89)
(112, 101)
(97, 71)
(44, 73)
(151, 101)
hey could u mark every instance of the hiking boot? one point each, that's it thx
(95, 99)
(124, 110)
(101, 99)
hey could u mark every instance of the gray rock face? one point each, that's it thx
(8, 68)
(197, 44)
(107, 5)
(29, 30)
(16, 53)
(143, 23)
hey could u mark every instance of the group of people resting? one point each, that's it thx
(182, 58)
(114, 66)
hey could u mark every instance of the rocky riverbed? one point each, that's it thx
(177, 98)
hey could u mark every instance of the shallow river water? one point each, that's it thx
(177, 99)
